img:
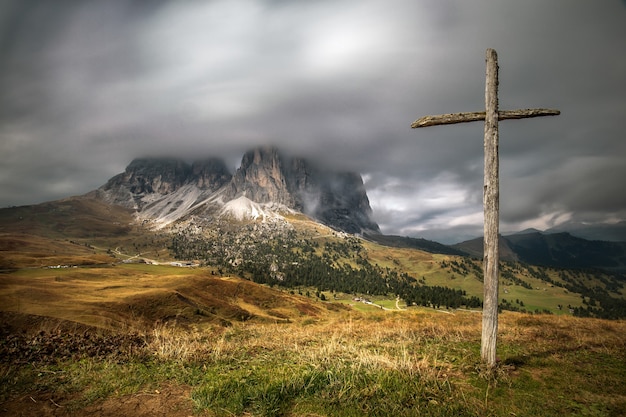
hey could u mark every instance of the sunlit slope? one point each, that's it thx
(291, 252)
(138, 297)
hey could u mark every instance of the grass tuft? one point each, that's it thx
(346, 364)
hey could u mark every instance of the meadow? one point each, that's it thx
(154, 344)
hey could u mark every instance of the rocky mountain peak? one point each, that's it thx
(210, 174)
(144, 177)
(262, 178)
(162, 175)
(168, 189)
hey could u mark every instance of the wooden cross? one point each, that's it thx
(491, 115)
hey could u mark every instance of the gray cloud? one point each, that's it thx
(88, 85)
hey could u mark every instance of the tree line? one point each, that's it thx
(284, 259)
(277, 254)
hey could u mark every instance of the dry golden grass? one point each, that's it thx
(410, 343)
(28, 251)
(135, 297)
(382, 340)
(417, 342)
(440, 349)
(373, 363)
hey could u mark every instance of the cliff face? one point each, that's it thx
(343, 202)
(261, 178)
(210, 174)
(144, 177)
(160, 187)
(338, 199)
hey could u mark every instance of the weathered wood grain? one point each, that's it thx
(491, 198)
(454, 118)
(491, 195)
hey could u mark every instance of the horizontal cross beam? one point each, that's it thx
(453, 118)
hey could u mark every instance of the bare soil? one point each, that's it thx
(170, 401)
(29, 340)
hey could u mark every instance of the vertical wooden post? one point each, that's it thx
(491, 213)
(491, 195)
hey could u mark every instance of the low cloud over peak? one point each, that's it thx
(88, 86)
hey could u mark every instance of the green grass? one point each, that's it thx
(345, 391)
(406, 363)
(421, 265)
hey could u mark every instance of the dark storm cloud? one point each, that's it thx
(88, 85)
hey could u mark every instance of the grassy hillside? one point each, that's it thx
(297, 255)
(294, 257)
(84, 332)
(415, 243)
(74, 231)
(76, 217)
(136, 296)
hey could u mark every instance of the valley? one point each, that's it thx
(110, 334)
(245, 308)
(288, 252)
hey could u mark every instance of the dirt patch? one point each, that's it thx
(26, 338)
(171, 401)
(34, 341)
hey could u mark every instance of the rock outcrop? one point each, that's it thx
(261, 178)
(166, 189)
(210, 174)
(145, 177)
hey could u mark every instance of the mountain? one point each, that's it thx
(610, 232)
(526, 231)
(414, 243)
(561, 250)
(171, 214)
(163, 191)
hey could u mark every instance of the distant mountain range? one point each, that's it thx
(610, 232)
(560, 250)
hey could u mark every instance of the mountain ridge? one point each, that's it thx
(171, 193)
(608, 232)
(561, 249)
(166, 190)
(291, 251)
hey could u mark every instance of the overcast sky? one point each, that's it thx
(86, 86)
